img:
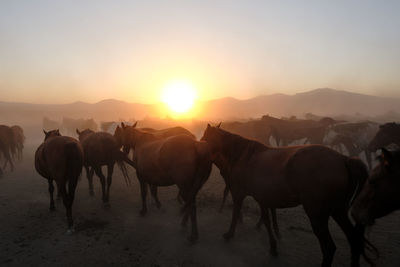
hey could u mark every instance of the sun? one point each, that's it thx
(179, 96)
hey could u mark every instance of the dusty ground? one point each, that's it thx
(30, 235)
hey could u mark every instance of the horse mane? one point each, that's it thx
(236, 147)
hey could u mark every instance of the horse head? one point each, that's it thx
(83, 134)
(51, 133)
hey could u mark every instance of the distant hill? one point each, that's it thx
(324, 101)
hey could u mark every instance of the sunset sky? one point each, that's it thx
(64, 51)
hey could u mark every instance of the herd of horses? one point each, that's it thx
(327, 183)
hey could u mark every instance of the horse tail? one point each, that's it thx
(121, 157)
(203, 170)
(358, 174)
(74, 161)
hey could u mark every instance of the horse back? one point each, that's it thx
(100, 148)
(59, 157)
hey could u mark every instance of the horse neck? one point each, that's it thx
(237, 148)
(144, 138)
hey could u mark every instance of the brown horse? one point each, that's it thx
(7, 145)
(381, 195)
(177, 160)
(224, 168)
(288, 131)
(101, 149)
(163, 133)
(60, 159)
(19, 140)
(388, 133)
(316, 177)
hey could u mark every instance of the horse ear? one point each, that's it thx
(58, 131)
(208, 125)
(387, 157)
(78, 132)
(45, 133)
(134, 126)
(219, 125)
(123, 125)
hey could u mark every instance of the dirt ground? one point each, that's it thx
(31, 235)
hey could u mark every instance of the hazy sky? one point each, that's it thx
(63, 51)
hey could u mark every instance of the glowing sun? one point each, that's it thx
(179, 96)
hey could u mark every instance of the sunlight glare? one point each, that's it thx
(179, 96)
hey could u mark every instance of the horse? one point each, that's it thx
(360, 134)
(320, 179)
(163, 133)
(60, 159)
(381, 195)
(7, 145)
(225, 172)
(176, 160)
(101, 148)
(19, 138)
(388, 133)
(288, 131)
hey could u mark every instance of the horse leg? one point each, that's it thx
(153, 190)
(110, 170)
(319, 224)
(7, 157)
(226, 192)
(193, 217)
(368, 157)
(89, 175)
(275, 223)
(51, 191)
(66, 200)
(237, 205)
(71, 196)
(143, 191)
(99, 173)
(354, 240)
(265, 217)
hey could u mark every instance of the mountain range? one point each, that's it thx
(323, 101)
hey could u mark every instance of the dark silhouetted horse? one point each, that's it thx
(19, 138)
(316, 177)
(177, 160)
(101, 149)
(163, 133)
(8, 145)
(60, 159)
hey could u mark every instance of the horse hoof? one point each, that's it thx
(227, 236)
(52, 208)
(158, 205)
(91, 193)
(106, 205)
